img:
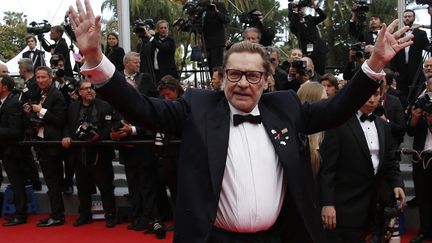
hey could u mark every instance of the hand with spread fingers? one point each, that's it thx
(387, 44)
(87, 30)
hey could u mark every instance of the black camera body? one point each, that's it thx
(362, 6)
(249, 18)
(86, 130)
(300, 65)
(35, 121)
(359, 47)
(140, 25)
(39, 28)
(300, 3)
(424, 102)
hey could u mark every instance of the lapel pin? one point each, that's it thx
(283, 143)
(273, 131)
(285, 130)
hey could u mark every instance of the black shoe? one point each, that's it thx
(110, 220)
(419, 238)
(82, 219)
(50, 222)
(14, 221)
(157, 228)
(68, 190)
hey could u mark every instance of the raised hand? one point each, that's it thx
(87, 30)
(387, 44)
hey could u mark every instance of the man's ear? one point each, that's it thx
(266, 82)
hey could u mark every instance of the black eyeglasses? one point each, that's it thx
(252, 77)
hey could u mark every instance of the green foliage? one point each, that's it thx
(12, 33)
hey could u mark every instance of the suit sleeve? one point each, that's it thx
(320, 18)
(165, 46)
(14, 128)
(56, 114)
(222, 14)
(329, 151)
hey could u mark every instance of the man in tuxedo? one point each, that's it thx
(47, 118)
(407, 62)
(60, 47)
(213, 29)
(142, 81)
(37, 56)
(220, 170)
(418, 127)
(356, 28)
(356, 161)
(12, 129)
(163, 51)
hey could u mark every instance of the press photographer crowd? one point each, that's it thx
(333, 173)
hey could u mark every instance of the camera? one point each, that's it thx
(361, 10)
(420, 2)
(39, 28)
(140, 25)
(35, 120)
(300, 65)
(86, 130)
(249, 18)
(300, 3)
(359, 47)
(424, 102)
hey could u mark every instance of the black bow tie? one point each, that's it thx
(365, 117)
(239, 119)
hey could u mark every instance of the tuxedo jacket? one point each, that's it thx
(201, 118)
(11, 126)
(38, 58)
(214, 26)
(62, 48)
(360, 34)
(395, 114)
(346, 178)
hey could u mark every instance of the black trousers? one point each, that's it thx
(14, 167)
(30, 166)
(50, 160)
(215, 57)
(346, 235)
(101, 173)
(223, 236)
(423, 190)
(141, 175)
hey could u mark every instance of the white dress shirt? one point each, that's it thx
(371, 135)
(253, 185)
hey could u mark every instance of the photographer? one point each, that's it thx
(267, 34)
(46, 118)
(214, 20)
(91, 120)
(357, 23)
(356, 56)
(419, 127)
(162, 51)
(60, 47)
(306, 30)
(67, 85)
(252, 35)
(279, 75)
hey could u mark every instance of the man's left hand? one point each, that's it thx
(400, 195)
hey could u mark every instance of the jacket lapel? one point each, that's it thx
(355, 126)
(218, 124)
(381, 138)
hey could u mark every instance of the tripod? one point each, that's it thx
(198, 55)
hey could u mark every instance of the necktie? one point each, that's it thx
(239, 119)
(365, 117)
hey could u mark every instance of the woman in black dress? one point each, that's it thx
(114, 53)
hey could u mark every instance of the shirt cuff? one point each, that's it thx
(134, 131)
(100, 74)
(372, 74)
(42, 113)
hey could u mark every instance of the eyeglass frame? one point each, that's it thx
(244, 74)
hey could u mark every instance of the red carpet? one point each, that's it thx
(90, 233)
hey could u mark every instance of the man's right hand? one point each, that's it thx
(87, 30)
(328, 215)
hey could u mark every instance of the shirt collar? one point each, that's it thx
(255, 111)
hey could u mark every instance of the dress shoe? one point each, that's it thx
(83, 219)
(50, 222)
(419, 238)
(14, 221)
(110, 220)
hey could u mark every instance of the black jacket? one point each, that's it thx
(11, 126)
(214, 26)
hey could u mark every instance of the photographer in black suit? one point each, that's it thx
(305, 28)
(46, 118)
(357, 25)
(12, 129)
(59, 47)
(214, 20)
(37, 56)
(267, 34)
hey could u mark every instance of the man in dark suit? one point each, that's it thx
(407, 62)
(220, 170)
(47, 118)
(12, 129)
(356, 26)
(419, 127)
(142, 81)
(214, 20)
(60, 47)
(37, 56)
(163, 51)
(305, 28)
(356, 161)
(91, 120)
